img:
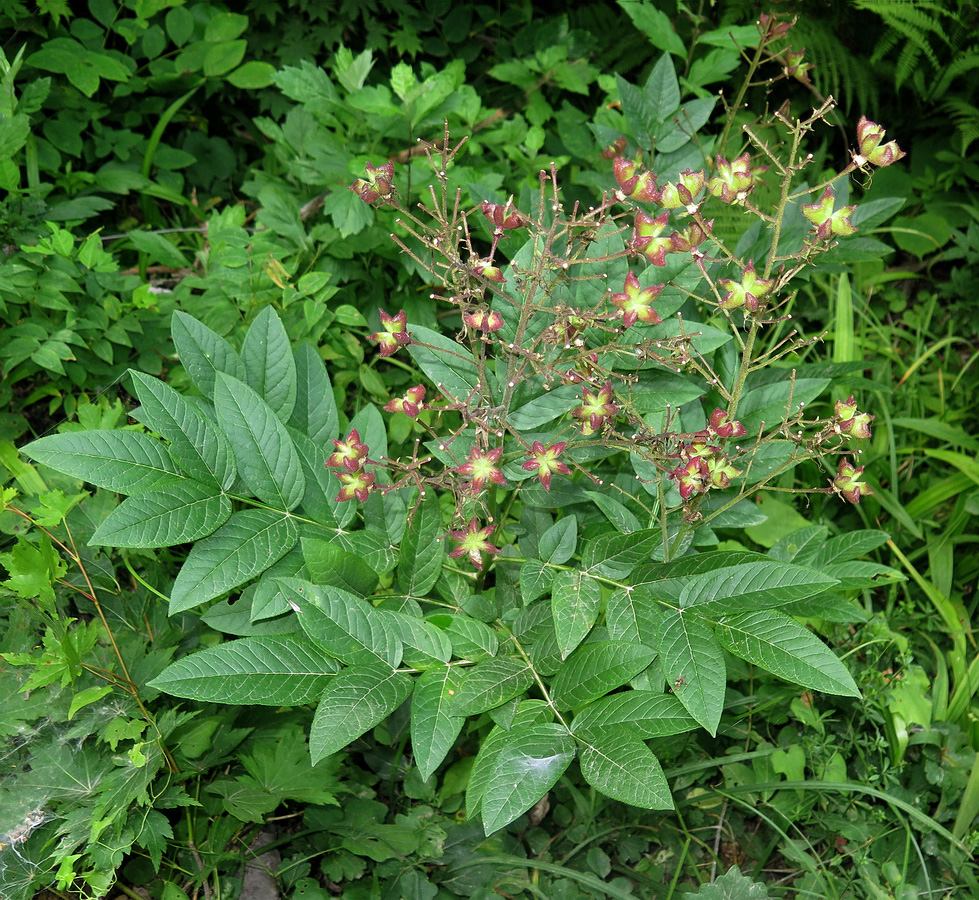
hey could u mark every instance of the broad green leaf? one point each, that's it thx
(780, 645)
(528, 765)
(315, 412)
(597, 668)
(615, 555)
(448, 364)
(421, 549)
(245, 546)
(204, 352)
(535, 580)
(319, 498)
(270, 364)
(656, 25)
(489, 684)
(425, 646)
(617, 513)
(667, 580)
(575, 601)
(373, 546)
(799, 546)
(657, 391)
(831, 606)
(271, 670)
(753, 585)
(651, 714)
(639, 112)
(621, 766)
(545, 408)
(329, 564)
(693, 663)
(858, 574)
(771, 403)
(122, 461)
(342, 624)
(161, 517)
(197, 444)
(844, 547)
(558, 542)
(471, 639)
(732, 885)
(354, 702)
(267, 459)
(662, 90)
(632, 616)
(434, 724)
(681, 127)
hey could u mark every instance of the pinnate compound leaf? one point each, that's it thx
(271, 670)
(163, 516)
(575, 602)
(693, 663)
(649, 713)
(782, 646)
(342, 624)
(270, 364)
(489, 684)
(315, 413)
(356, 700)
(621, 766)
(528, 765)
(596, 668)
(755, 585)
(198, 446)
(267, 459)
(421, 549)
(122, 461)
(245, 546)
(446, 363)
(434, 724)
(204, 352)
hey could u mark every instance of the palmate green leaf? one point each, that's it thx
(633, 617)
(527, 766)
(245, 546)
(196, 444)
(447, 364)
(267, 459)
(315, 413)
(204, 352)
(489, 684)
(422, 549)
(650, 714)
(161, 517)
(754, 585)
(780, 645)
(693, 663)
(271, 670)
(270, 365)
(356, 700)
(434, 724)
(122, 461)
(597, 668)
(617, 763)
(342, 624)
(615, 555)
(329, 564)
(576, 600)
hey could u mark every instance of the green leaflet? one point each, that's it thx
(596, 668)
(693, 663)
(271, 670)
(434, 724)
(204, 353)
(621, 766)
(270, 364)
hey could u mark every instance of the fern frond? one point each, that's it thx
(959, 66)
(966, 119)
(837, 70)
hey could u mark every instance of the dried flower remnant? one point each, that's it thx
(617, 148)
(635, 302)
(349, 454)
(639, 184)
(484, 268)
(749, 292)
(410, 404)
(869, 138)
(648, 239)
(395, 333)
(473, 542)
(482, 320)
(847, 481)
(826, 222)
(544, 460)
(355, 485)
(850, 420)
(378, 185)
(502, 216)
